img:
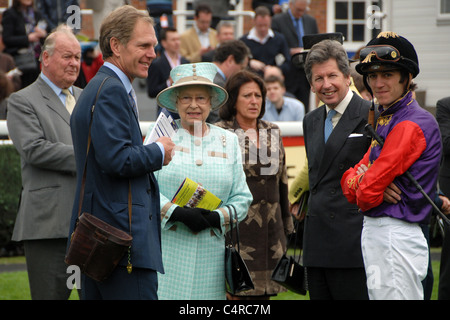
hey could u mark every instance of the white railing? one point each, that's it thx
(287, 128)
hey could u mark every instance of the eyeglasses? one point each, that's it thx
(381, 52)
(200, 100)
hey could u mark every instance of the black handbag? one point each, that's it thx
(289, 272)
(237, 276)
(25, 61)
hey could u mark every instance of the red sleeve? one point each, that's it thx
(403, 146)
(350, 180)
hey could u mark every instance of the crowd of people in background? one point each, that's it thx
(232, 89)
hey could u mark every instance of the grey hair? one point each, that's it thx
(322, 52)
(50, 41)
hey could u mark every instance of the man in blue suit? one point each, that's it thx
(117, 158)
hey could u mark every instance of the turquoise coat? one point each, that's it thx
(194, 263)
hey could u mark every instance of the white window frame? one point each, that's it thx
(443, 19)
(350, 46)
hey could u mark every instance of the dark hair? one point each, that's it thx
(233, 86)
(202, 7)
(323, 51)
(237, 48)
(273, 79)
(6, 86)
(262, 11)
(164, 31)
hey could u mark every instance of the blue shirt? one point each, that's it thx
(56, 89)
(292, 110)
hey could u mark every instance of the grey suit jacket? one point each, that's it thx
(39, 126)
(332, 236)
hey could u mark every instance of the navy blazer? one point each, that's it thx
(118, 156)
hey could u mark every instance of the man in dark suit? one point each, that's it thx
(443, 118)
(39, 126)
(117, 158)
(294, 24)
(159, 72)
(332, 245)
(231, 57)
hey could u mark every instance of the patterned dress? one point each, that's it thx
(194, 263)
(263, 233)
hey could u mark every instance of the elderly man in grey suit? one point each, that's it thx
(294, 24)
(38, 124)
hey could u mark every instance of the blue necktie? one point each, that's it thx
(132, 96)
(299, 28)
(328, 124)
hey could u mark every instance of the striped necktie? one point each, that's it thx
(70, 100)
(329, 124)
(132, 96)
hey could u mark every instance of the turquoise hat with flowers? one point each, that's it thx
(202, 73)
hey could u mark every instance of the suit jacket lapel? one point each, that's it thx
(53, 101)
(337, 139)
(111, 73)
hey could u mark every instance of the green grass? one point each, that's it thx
(14, 285)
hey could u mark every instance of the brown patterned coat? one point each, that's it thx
(263, 233)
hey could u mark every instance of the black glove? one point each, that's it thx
(196, 219)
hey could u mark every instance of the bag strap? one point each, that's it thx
(234, 219)
(83, 182)
(295, 234)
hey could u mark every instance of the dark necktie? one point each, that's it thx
(132, 96)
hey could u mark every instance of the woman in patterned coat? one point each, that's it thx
(193, 242)
(263, 233)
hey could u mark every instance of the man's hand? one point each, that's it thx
(392, 194)
(168, 149)
(361, 169)
(445, 204)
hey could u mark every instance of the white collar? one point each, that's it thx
(253, 36)
(340, 108)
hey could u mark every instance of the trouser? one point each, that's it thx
(444, 278)
(395, 256)
(47, 271)
(337, 283)
(140, 284)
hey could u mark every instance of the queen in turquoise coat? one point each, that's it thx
(193, 240)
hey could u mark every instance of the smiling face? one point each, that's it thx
(135, 57)
(386, 86)
(329, 83)
(249, 101)
(193, 105)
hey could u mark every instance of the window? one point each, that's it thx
(445, 6)
(443, 17)
(350, 17)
